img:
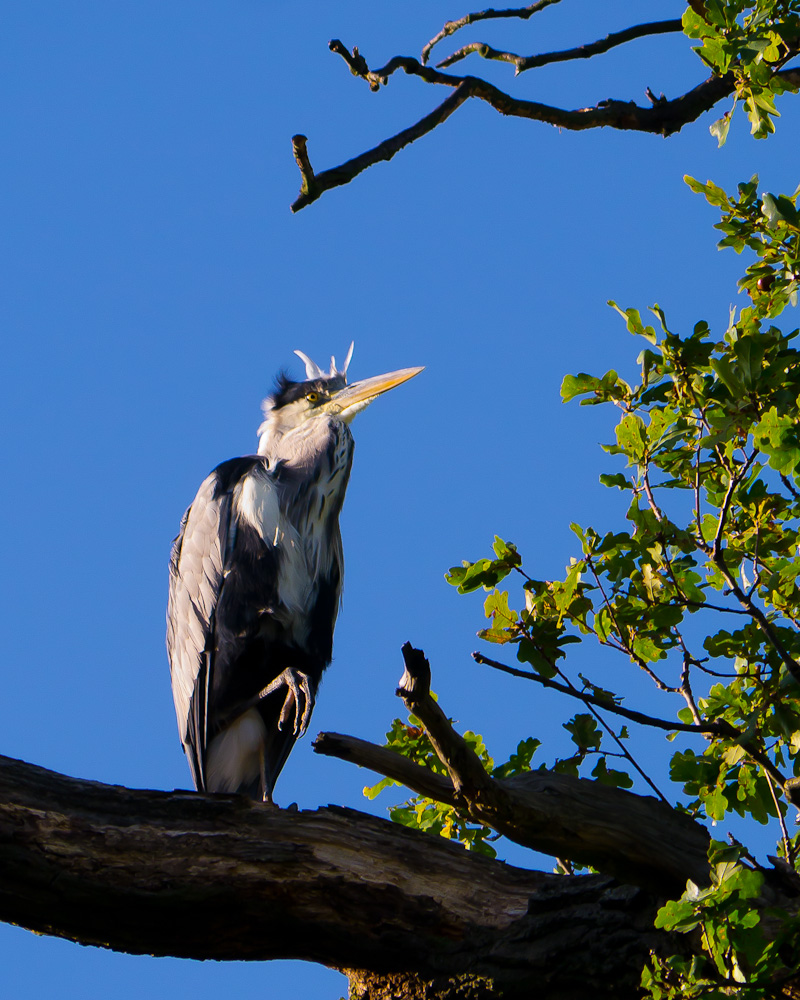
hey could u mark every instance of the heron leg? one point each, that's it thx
(296, 681)
(266, 795)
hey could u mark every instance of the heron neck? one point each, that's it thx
(301, 448)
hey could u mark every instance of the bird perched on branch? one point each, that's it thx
(255, 581)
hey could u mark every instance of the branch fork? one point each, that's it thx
(660, 116)
(635, 838)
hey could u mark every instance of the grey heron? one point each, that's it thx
(255, 581)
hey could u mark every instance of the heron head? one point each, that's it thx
(322, 395)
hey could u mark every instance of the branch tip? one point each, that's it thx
(309, 189)
(416, 680)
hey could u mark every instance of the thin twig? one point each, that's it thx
(756, 562)
(623, 646)
(522, 13)
(585, 51)
(700, 664)
(657, 513)
(788, 852)
(788, 484)
(715, 728)
(701, 541)
(725, 506)
(755, 612)
(627, 754)
(705, 606)
(745, 853)
(686, 686)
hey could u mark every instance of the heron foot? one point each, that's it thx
(298, 684)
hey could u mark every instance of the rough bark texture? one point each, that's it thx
(201, 876)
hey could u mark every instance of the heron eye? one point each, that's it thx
(312, 397)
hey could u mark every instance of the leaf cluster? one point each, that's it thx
(736, 957)
(752, 39)
(768, 225)
(699, 591)
(422, 813)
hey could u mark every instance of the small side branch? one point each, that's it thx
(610, 41)
(308, 182)
(388, 763)
(309, 192)
(451, 27)
(716, 728)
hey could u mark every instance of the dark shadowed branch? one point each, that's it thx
(451, 27)
(661, 116)
(221, 877)
(587, 51)
(314, 185)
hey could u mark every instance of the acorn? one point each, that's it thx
(765, 282)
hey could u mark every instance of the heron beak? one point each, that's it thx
(350, 400)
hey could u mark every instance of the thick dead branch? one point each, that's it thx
(471, 782)
(212, 876)
(636, 838)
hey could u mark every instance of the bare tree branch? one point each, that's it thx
(451, 27)
(662, 118)
(316, 184)
(586, 51)
(471, 782)
(388, 763)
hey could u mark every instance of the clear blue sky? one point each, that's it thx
(154, 281)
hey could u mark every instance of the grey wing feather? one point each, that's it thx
(196, 574)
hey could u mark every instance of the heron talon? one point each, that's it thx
(296, 682)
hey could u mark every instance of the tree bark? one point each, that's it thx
(212, 876)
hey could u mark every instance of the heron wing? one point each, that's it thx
(198, 562)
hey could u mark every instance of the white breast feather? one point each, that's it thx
(257, 503)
